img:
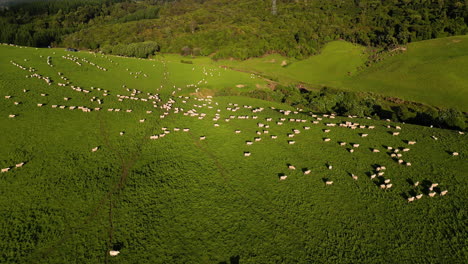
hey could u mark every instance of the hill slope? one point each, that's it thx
(431, 72)
(136, 181)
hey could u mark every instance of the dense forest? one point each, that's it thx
(224, 28)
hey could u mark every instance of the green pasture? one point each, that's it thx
(179, 199)
(431, 72)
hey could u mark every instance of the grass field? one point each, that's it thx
(179, 199)
(431, 72)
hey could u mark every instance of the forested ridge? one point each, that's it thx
(224, 29)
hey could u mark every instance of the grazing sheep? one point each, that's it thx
(416, 184)
(411, 142)
(383, 186)
(408, 163)
(19, 165)
(274, 137)
(121, 133)
(284, 177)
(95, 149)
(364, 135)
(248, 143)
(419, 196)
(400, 161)
(406, 149)
(307, 172)
(434, 137)
(114, 253)
(411, 199)
(202, 138)
(381, 173)
(5, 170)
(432, 194)
(387, 181)
(12, 116)
(247, 154)
(326, 130)
(237, 131)
(388, 186)
(291, 167)
(375, 150)
(373, 176)
(443, 193)
(355, 145)
(342, 143)
(291, 142)
(354, 177)
(395, 133)
(455, 154)
(257, 139)
(330, 167)
(142, 120)
(326, 139)
(329, 182)
(351, 150)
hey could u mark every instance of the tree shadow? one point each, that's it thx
(232, 260)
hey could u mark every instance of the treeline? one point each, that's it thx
(45, 23)
(238, 29)
(344, 103)
(139, 50)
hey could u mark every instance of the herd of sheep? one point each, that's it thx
(193, 110)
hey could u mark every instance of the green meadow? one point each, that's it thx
(431, 72)
(181, 199)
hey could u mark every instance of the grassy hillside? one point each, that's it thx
(431, 72)
(335, 63)
(179, 199)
